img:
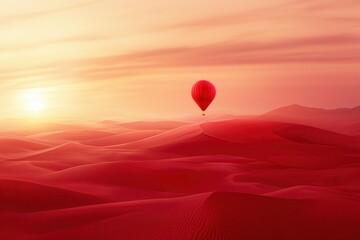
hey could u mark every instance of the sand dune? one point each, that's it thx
(153, 125)
(282, 143)
(74, 135)
(19, 196)
(170, 136)
(71, 153)
(342, 120)
(13, 145)
(258, 217)
(127, 137)
(218, 215)
(239, 178)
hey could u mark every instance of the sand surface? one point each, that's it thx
(248, 179)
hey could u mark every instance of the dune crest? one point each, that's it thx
(228, 178)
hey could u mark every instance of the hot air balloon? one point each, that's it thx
(203, 93)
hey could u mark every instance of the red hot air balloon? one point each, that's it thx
(203, 93)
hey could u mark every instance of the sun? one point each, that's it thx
(33, 101)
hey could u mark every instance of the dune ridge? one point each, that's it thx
(226, 178)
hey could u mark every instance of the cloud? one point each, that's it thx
(304, 10)
(73, 39)
(324, 49)
(335, 48)
(27, 16)
(240, 49)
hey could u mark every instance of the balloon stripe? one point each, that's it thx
(203, 93)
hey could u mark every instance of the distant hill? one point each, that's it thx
(343, 120)
(298, 111)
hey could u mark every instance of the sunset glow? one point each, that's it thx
(128, 58)
(33, 101)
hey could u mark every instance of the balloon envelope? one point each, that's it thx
(203, 93)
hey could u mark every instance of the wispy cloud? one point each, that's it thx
(304, 10)
(238, 52)
(319, 50)
(30, 15)
(66, 40)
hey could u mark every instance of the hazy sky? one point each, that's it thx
(117, 58)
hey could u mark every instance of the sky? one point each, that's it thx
(106, 59)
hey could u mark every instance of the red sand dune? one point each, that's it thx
(342, 120)
(222, 179)
(121, 138)
(74, 135)
(153, 125)
(11, 146)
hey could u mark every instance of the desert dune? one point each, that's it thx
(238, 178)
